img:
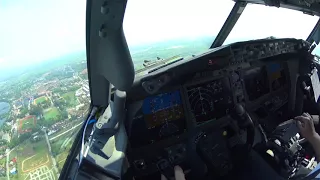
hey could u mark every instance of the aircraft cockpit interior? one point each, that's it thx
(224, 114)
(216, 110)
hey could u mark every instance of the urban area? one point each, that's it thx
(41, 113)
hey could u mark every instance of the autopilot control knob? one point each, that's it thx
(244, 121)
(239, 113)
(239, 110)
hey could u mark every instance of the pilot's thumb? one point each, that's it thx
(163, 177)
(299, 125)
(178, 173)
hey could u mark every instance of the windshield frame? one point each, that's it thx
(228, 25)
(314, 36)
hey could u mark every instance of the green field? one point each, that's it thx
(70, 97)
(3, 161)
(40, 100)
(13, 154)
(27, 123)
(51, 114)
(57, 143)
(61, 159)
(40, 157)
(30, 156)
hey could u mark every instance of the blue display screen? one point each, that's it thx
(160, 117)
(274, 67)
(160, 102)
(162, 108)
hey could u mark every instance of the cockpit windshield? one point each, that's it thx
(316, 51)
(167, 30)
(260, 21)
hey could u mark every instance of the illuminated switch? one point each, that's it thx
(225, 133)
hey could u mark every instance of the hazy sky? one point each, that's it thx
(154, 20)
(36, 30)
(261, 21)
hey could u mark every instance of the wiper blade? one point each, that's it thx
(157, 65)
(167, 64)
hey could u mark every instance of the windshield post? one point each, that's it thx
(315, 34)
(229, 23)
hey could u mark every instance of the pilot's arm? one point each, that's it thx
(307, 130)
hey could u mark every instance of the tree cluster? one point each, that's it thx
(36, 110)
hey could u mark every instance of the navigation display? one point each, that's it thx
(256, 82)
(160, 117)
(210, 100)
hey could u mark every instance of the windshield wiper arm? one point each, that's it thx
(229, 24)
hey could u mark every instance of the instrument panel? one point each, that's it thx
(166, 115)
(176, 104)
(203, 100)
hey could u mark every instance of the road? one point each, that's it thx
(49, 97)
(7, 164)
(55, 165)
(65, 131)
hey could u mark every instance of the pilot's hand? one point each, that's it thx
(306, 126)
(178, 174)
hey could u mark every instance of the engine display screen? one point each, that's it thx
(277, 76)
(256, 82)
(160, 117)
